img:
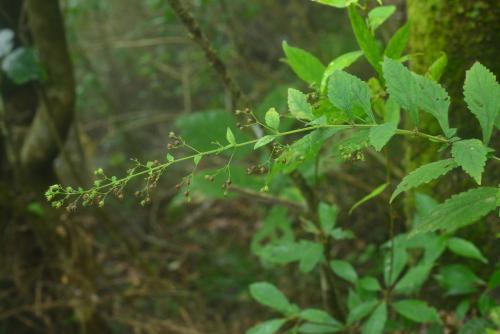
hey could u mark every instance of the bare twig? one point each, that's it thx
(199, 38)
(262, 197)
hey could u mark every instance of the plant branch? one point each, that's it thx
(199, 38)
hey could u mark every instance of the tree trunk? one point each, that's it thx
(56, 93)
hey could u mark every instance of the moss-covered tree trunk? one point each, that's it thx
(467, 31)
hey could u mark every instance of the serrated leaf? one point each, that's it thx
(344, 269)
(311, 254)
(267, 294)
(361, 310)
(366, 41)
(470, 154)
(482, 95)
(377, 191)
(379, 15)
(305, 65)
(459, 210)
(263, 141)
(347, 92)
(267, 327)
(339, 63)
(398, 42)
(434, 100)
(298, 105)
(402, 87)
(381, 134)
(465, 248)
(376, 323)
(437, 68)
(272, 119)
(424, 174)
(416, 310)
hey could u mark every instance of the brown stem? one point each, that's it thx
(199, 38)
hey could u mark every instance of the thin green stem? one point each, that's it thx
(222, 148)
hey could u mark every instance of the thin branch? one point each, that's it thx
(199, 38)
(262, 197)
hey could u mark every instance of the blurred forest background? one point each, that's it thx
(119, 76)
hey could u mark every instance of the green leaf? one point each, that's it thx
(413, 280)
(305, 65)
(267, 294)
(434, 100)
(465, 248)
(458, 279)
(478, 325)
(347, 92)
(230, 137)
(298, 105)
(402, 86)
(482, 95)
(398, 42)
(302, 151)
(263, 141)
(272, 119)
(361, 310)
(470, 154)
(201, 129)
(394, 263)
(280, 251)
(339, 63)
(344, 269)
(462, 309)
(424, 174)
(376, 323)
(6, 41)
(311, 254)
(494, 280)
(35, 208)
(437, 68)
(377, 191)
(319, 316)
(369, 284)
(267, 327)
(196, 159)
(416, 310)
(327, 216)
(365, 39)
(381, 134)
(459, 210)
(21, 66)
(336, 3)
(379, 15)
(170, 157)
(312, 328)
